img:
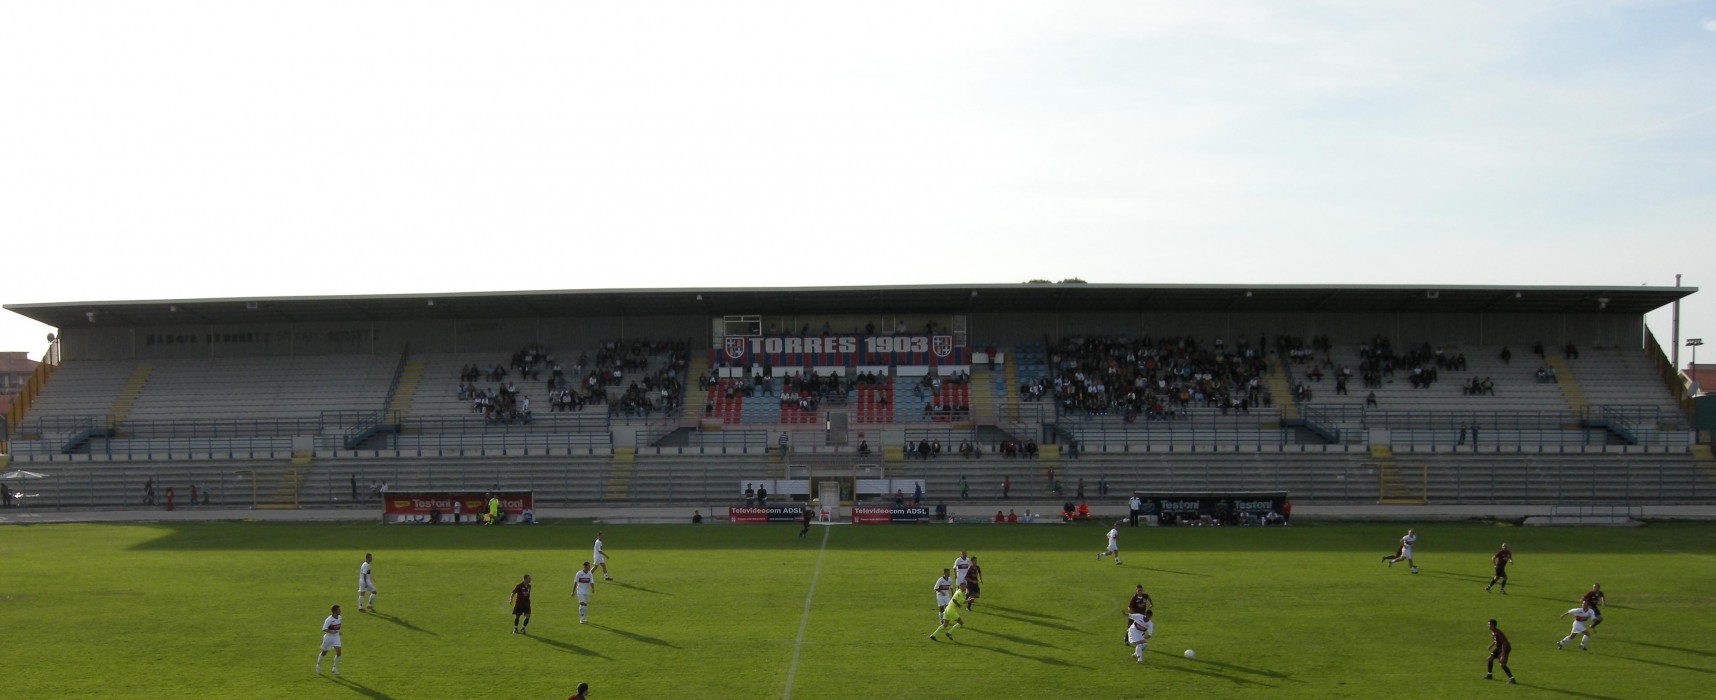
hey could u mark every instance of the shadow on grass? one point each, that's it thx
(402, 622)
(1699, 652)
(1244, 669)
(1011, 638)
(635, 636)
(1451, 575)
(1171, 571)
(1463, 538)
(1573, 693)
(1192, 668)
(570, 648)
(1045, 660)
(1663, 664)
(1029, 621)
(360, 688)
(1026, 613)
(639, 589)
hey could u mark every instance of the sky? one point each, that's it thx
(172, 149)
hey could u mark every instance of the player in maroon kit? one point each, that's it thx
(1594, 598)
(1500, 559)
(1499, 648)
(521, 606)
(1141, 602)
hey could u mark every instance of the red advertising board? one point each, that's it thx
(418, 506)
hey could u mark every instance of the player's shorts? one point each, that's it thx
(1499, 655)
(583, 597)
(1579, 627)
(1501, 571)
(521, 609)
(950, 613)
(973, 589)
(941, 601)
(598, 560)
(330, 641)
(1406, 552)
(366, 587)
(1114, 547)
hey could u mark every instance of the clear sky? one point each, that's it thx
(172, 149)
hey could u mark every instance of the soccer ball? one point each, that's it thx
(1191, 654)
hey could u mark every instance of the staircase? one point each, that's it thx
(619, 483)
(1280, 389)
(696, 397)
(1397, 485)
(129, 393)
(982, 393)
(277, 488)
(1049, 459)
(1571, 392)
(405, 390)
(1009, 408)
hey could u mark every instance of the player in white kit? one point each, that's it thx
(330, 640)
(961, 567)
(1139, 629)
(1404, 553)
(366, 584)
(599, 557)
(584, 580)
(1113, 545)
(1582, 617)
(943, 592)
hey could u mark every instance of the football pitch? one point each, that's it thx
(218, 610)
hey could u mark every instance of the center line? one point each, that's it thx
(804, 622)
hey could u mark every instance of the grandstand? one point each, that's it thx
(1357, 394)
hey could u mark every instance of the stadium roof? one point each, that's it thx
(951, 298)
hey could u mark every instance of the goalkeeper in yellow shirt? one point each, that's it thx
(950, 615)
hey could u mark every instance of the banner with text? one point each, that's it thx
(884, 514)
(788, 352)
(1183, 506)
(418, 506)
(764, 514)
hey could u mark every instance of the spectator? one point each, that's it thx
(750, 495)
(1012, 517)
(762, 495)
(941, 511)
(999, 517)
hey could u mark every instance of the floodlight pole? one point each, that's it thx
(1692, 368)
(1674, 342)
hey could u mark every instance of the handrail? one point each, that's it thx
(33, 387)
(1671, 376)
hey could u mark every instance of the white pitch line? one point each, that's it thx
(804, 621)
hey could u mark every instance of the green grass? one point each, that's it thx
(714, 611)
